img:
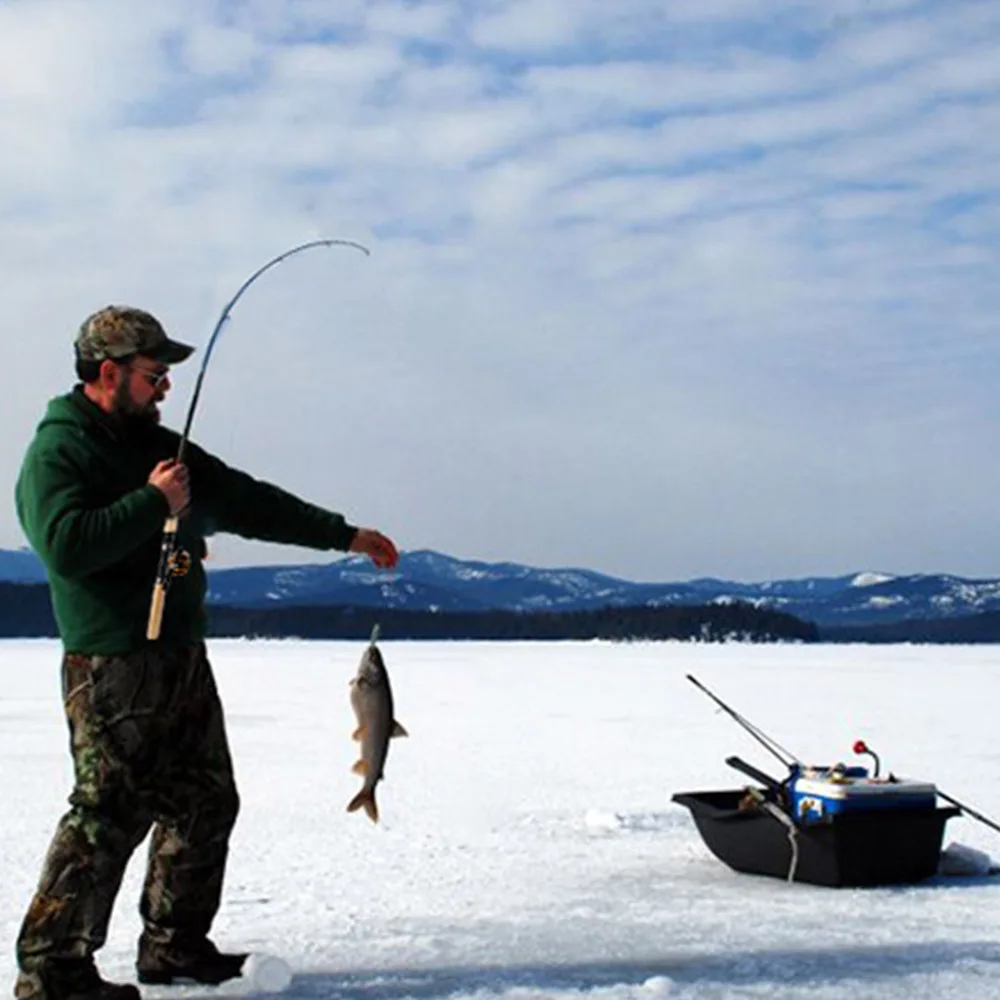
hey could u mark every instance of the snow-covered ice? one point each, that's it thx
(528, 846)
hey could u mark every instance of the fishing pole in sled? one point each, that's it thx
(833, 825)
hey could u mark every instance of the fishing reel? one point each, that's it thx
(180, 563)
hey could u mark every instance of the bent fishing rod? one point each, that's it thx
(166, 567)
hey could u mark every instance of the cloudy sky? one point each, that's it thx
(664, 288)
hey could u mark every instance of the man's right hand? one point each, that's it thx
(380, 549)
(171, 479)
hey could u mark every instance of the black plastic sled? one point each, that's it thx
(876, 847)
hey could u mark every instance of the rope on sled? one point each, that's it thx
(782, 817)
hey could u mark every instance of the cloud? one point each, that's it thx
(662, 290)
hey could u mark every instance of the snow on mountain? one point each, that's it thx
(425, 580)
(885, 600)
(870, 579)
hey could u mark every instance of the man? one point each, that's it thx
(147, 731)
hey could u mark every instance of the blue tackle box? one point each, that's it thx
(818, 793)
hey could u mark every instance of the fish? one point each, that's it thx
(371, 699)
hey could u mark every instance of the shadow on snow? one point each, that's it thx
(819, 965)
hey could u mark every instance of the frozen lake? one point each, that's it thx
(528, 846)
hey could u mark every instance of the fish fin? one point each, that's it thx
(367, 800)
(360, 767)
(397, 730)
(358, 733)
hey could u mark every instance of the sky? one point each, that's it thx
(527, 847)
(661, 290)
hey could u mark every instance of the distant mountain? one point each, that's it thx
(21, 566)
(431, 581)
(426, 580)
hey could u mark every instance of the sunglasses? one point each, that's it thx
(153, 379)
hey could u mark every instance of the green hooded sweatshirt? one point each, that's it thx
(84, 501)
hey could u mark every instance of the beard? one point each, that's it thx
(133, 414)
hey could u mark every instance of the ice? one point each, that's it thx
(527, 846)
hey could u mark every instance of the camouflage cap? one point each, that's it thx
(120, 331)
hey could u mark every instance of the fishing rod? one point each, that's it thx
(168, 547)
(985, 820)
(770, 745)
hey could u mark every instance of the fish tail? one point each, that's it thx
(365, 798)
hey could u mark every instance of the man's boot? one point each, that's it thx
(185, 959)
(70, 979)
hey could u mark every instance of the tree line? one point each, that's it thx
(26, 611)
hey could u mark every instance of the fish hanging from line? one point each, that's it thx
(371, 699)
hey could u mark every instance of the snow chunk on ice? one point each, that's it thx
(599, 819)
(267, 973)
(958, 859)
(605, 821)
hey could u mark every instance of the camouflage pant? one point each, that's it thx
(149, 750)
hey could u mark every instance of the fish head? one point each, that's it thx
(371, 670)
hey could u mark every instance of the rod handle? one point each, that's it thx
(159, 597)
(738, 764)
(156, 605)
